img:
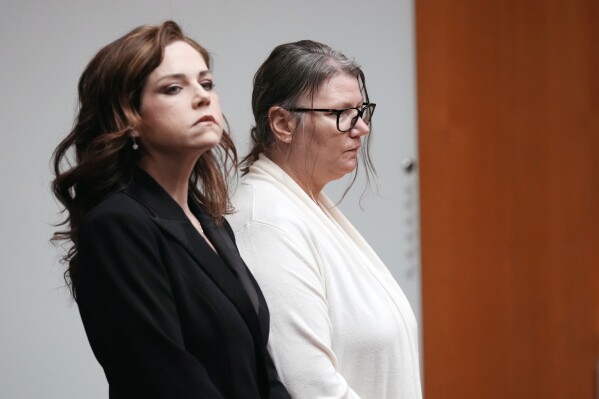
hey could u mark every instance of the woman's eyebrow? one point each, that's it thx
(181, 75)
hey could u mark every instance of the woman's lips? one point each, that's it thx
(205, 119)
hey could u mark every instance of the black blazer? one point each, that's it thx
(165, 315)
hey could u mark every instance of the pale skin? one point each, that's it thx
(316, 153)
(181, 120)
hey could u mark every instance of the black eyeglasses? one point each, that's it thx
(346, 117)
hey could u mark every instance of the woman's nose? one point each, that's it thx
(202, 96)
(361, 128)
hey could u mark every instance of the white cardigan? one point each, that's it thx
(340, 325)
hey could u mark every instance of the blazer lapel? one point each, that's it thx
(169, 216)
(225, 246)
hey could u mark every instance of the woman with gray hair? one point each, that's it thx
(340, 325)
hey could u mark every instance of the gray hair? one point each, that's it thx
(291, 71)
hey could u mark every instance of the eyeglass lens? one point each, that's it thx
(349, 117)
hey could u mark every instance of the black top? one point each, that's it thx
(165, 315)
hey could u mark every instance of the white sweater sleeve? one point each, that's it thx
(288, 271)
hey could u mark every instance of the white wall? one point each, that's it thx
(44, 47)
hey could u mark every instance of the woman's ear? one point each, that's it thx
(282, 123)
(133, 132)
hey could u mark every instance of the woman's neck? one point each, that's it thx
(173, 177)
(312, 189)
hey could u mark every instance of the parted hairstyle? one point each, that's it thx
(97, 157)
(291, 71)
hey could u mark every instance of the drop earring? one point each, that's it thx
(135, 146)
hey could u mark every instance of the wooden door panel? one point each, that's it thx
(509, 153)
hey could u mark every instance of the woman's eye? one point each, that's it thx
(208, 85)
(348, 114)
(173, 90)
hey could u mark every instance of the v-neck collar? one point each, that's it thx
(169, 216)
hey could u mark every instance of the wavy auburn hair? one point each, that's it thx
(97, 158)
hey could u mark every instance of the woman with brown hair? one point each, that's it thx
(168, 305)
